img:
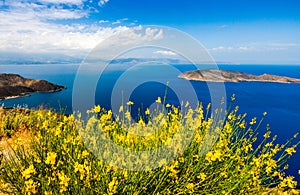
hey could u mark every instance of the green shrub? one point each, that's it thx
(58, 161)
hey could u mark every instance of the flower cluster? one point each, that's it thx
(56, 159)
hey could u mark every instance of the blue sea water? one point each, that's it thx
(280, 101)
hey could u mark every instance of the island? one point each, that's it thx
(14, 85)
(215, 75)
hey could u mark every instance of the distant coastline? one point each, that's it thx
(215, 75)
(15, 86)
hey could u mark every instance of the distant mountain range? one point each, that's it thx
(33, 58)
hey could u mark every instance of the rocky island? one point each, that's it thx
(215, 75)
(14, 85)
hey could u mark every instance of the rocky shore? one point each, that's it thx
(14, 85)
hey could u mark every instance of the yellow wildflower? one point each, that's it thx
(130, 103)
(147, 112)
(121, 109)
(253, 121)
(233, 97)
(51, 157)
(290, 151)
(141, 121)
(85, 153)
(64, 182)
(288, 182)
(30, 186)
(242, 125)
(168, 106)
(97, 109)
(80, 168)
(47, 193)
(201, 176)
(190, 187)
(27, 172)
(181, 159)
(158, 100)
(112, 186)
(267, 135)
(213, 156)
(265, 113)
(187, 104)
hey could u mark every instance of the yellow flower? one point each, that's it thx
(190, 187)
(158, 100)
(201, 176)
(121, 109)
(187, 104)
(85, 154)
(233, 97)
(213, 156)
(242, 125)
(290, 151)
(168, 106)
(112, 186)
(97, 109)
(253, 121)
(267, 135)
(288, 182)
(64, 180)
(80, 168)
(27, 172)
(51, 157)
(265, 113)
(147, 112)
(181, 159)
(47, 193)
(30, 186)
(130, 103)
(141, 121)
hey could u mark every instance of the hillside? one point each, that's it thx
(12, 85)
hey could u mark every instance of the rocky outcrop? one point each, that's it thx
(215, 75)
(12, 85)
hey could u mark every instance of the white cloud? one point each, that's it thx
(42, 10)
(221, 48)
(244, 48)
(103, 21)
(30, 27)
(233, 48)
(285, 44)
(116, 22)
(165, 53)
(70, 2)
(119, 21)
(102, 2)
(223, 26)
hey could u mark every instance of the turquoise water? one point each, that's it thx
(280, 101)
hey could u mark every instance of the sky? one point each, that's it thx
(239, 32)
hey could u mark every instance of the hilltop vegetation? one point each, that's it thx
(53, 159)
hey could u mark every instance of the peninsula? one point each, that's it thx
(14, 85)
(215, 75)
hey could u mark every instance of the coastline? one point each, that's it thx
(29, 94)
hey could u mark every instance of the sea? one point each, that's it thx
(281, 101)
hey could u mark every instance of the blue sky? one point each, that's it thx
(245, 31)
